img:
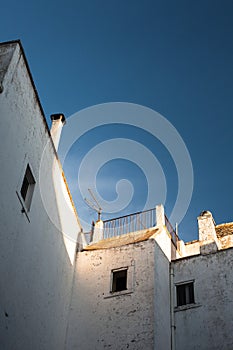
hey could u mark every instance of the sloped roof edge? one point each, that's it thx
(122, 240)
(224, 229)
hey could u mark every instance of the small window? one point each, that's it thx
(119, 280)
(27, 187)
(185, 293)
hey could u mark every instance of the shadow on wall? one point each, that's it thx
(61, 210)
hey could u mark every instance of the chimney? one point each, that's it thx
(207, 234)
(58, 120)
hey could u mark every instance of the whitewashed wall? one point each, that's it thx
(162, 321)
(36, 258)
(99, 320)
(208, 326)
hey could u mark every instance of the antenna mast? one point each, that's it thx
(96, 206)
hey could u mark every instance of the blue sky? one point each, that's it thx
(172, 56)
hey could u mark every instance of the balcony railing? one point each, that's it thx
(129, 223)
(136, 222)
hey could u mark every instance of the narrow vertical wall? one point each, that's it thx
(162, 312)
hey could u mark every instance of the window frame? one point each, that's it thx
(188, 294)
(114, 280)
(25, 199)
(30, 179)
(130, 283)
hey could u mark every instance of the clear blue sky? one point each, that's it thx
(175, 57)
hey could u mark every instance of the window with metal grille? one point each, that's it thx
(119, 280)
(27, 187)
(185, 293)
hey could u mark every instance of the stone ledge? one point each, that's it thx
(186, 307)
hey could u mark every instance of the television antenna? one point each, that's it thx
(95, 204)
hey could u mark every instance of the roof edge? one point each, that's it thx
(18, 42)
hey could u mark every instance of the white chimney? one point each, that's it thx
(58, 120)
(207, 233)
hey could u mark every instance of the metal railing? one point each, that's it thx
(172, 231)
(135, 222)
(129, 223)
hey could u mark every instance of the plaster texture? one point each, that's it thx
(35, 267)
(207, 324)
(121, 320)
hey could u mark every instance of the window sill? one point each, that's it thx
(24, 209)
(117, 294)
(186, 307)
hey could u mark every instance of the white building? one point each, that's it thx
(138, 290)
(36, 260)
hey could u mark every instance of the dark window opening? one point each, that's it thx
(24, 187)
(119, 280)
(185, 294)
(27, 187)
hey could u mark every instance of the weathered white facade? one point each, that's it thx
(147, 314)
(141, 290)
(36, 260)
(208, 323)
(125, 319)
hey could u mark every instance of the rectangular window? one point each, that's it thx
(27, 187)
(185, 293)
(119, 280)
